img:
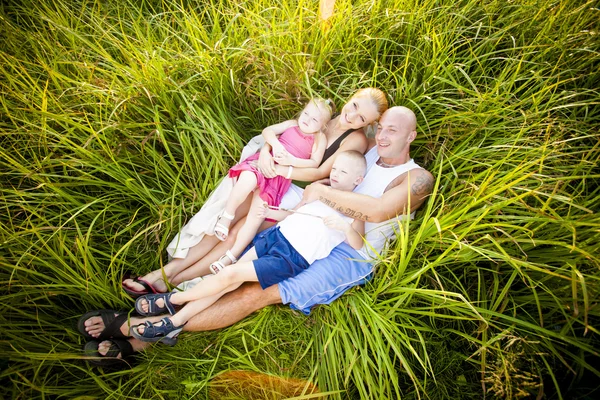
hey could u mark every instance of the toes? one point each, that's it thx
(131, 284)
(104, 346)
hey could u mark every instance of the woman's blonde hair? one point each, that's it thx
(376, 95)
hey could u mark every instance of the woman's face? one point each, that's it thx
(358, 113)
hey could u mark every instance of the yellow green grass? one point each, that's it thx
(117, 119)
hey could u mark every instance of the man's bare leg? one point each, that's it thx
(196, 258)
(226, 311)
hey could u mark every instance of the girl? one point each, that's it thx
(294, 143)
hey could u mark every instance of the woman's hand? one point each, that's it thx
(266, 165)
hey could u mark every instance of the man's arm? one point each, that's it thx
(413, 187)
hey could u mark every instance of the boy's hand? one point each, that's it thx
(262, 210)
(336, 222)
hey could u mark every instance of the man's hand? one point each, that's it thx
(313, 192)
(336, 222)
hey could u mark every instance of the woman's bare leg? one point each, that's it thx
(194, 259)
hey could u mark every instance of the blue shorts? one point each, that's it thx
(277, 259)
(326, 279)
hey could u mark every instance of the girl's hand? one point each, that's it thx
(336, 222)
(266, 165)
(284, 158)
(278, 148)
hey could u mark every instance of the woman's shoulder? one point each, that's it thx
(357, 140)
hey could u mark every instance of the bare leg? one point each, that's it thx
(201, 267)
(213, 285)
(244, 186)
(196, 259)
(250, 227)
(226, 311)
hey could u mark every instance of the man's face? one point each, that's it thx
(344, 174)
(393, 135)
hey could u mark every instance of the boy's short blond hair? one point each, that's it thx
(357, 159)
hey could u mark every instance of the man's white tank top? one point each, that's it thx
(376, 181)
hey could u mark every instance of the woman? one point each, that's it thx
(343, 133)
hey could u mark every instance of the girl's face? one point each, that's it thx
(312, 118)
(358, 113)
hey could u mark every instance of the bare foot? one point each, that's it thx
(94, 326)
(155, 278)
(104, 346)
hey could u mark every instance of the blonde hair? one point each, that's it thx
(377, 96)
(327, 104)
(358, 160)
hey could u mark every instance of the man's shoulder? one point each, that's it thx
(419, 179)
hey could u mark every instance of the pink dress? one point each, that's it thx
(272, 189)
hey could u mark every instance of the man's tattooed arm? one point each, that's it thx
(422, 186)
(344, 210)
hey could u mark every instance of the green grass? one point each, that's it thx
(117, 119)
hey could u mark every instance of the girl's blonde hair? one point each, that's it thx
(327, 104)
(376, 95)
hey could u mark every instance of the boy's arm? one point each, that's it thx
(352, 231)
(354, 235)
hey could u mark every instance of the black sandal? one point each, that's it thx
(112, 324)
(110, 358)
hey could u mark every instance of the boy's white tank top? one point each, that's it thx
(376, 181)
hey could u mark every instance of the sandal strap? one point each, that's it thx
(231, 257)
(226, 215)
(119, 346)
(112, 325)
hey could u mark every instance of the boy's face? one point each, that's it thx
(345, 175)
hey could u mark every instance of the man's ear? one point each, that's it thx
(411, 136)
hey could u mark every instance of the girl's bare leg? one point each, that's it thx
(195, 259)
(250, 227)
(244, 186)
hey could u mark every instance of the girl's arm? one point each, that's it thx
(354, 232)
(316, 155)
(270, 134)
(355, 141)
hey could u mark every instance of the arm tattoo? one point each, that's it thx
(346, 211)
(423, 186)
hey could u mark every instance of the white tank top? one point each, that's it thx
(308, 235)
(376, 181)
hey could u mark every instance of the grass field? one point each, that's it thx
(118, 118)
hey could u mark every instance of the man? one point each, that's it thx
(394, 186)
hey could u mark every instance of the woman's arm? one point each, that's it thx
(355, 141)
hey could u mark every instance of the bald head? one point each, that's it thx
(397, 128)
(403, 116)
